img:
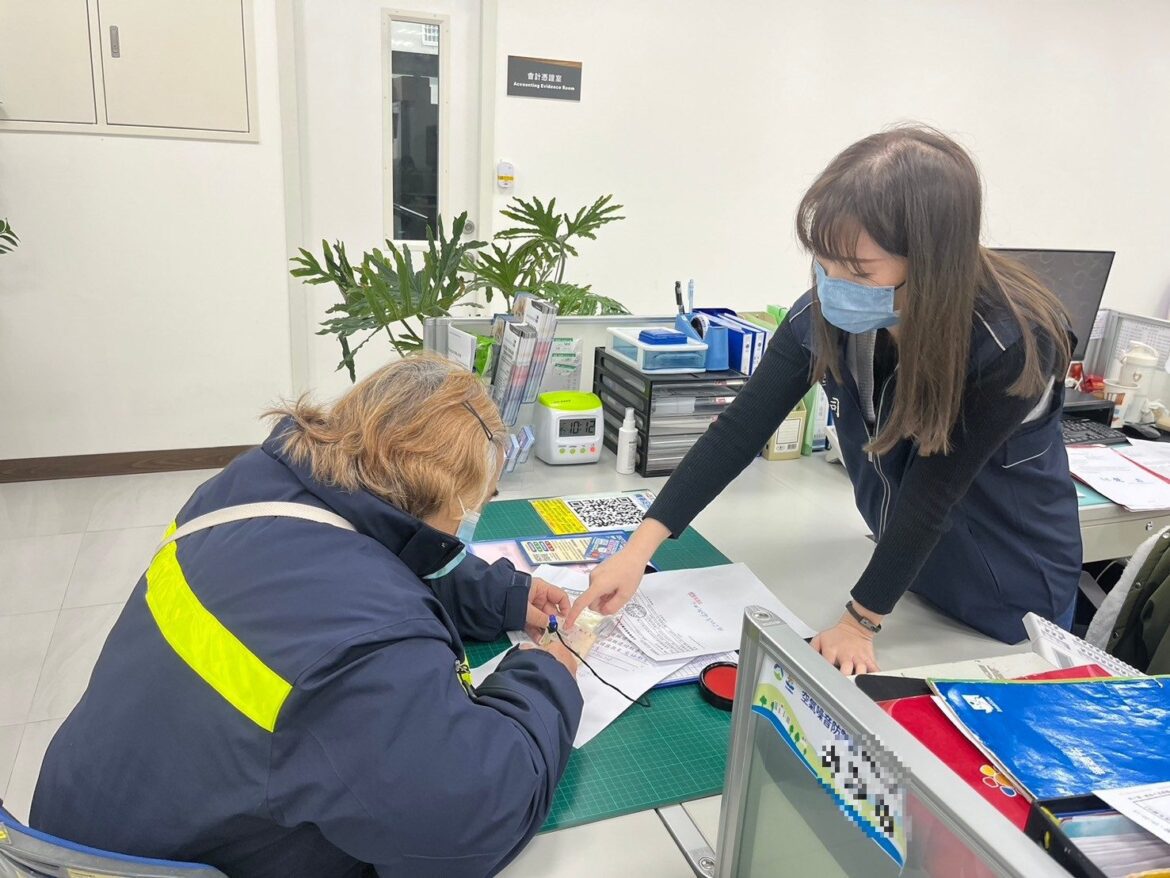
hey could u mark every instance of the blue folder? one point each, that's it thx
(1069, 738)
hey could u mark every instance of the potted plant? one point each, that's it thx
(537, 250)
(385, 294)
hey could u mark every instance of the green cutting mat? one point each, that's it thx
(673, 751)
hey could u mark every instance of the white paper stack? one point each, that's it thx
(1119, 478)
(1152, 456)
(516, 349)
(542, 317)
(676, 624)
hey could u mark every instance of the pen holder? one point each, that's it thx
(715, 337)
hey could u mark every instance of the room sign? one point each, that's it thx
(543, 78)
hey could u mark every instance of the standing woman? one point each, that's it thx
(945, 365)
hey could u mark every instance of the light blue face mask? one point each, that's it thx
(855, 307)
(465, 535)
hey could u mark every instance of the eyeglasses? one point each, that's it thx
(486, 431)
(482, 423)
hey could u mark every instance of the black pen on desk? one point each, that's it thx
(678, 296)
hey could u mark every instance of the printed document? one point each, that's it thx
(701, 622)
(1119, 478)
(681, 614)
(1147, 805)
(1153, 456)
(614, 656)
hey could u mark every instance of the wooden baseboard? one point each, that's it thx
(31, 469)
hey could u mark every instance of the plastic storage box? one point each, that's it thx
(660, 359)
(671, 411)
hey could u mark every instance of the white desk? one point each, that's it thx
(1108, 531)
(794, 524)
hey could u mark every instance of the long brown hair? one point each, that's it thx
(917, 193)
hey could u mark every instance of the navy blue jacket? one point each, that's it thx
(1012, 543)
(379, 755)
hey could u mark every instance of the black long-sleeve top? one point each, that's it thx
(930, 488)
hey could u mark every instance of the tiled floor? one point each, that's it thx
(70, 552)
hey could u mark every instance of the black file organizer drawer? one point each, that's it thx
(671, 411)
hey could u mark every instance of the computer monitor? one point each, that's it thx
(1077, 277)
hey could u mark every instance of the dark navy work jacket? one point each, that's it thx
(1012, 544)
(378, 753)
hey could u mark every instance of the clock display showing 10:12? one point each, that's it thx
(576, 427)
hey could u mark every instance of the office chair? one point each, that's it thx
(29, 853)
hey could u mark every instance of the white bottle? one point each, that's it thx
(627, 444)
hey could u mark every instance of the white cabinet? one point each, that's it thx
(170, 68)
(174, 63)
(45, 70)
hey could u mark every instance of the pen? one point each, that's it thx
(678, 296)
(691, 296)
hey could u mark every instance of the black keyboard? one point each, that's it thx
(1082, 431)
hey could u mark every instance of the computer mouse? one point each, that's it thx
(1142, 431)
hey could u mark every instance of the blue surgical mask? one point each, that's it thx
(855, 307)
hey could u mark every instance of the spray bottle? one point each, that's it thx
(627, 444)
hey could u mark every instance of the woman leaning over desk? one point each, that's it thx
(944, 363)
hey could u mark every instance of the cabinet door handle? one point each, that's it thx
(115, 42)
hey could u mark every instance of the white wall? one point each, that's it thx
(146, 306)
(708, 121)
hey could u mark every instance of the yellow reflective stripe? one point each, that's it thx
(463, 672)
(208, 648)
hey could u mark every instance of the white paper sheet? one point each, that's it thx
(700, 609)
(461, 347)
(615, 657)
(1119, 479)
(619, 662)
(682, 614)
(691, 670)
(569, 578)
(1154, 456)
(1147, 805)
(1002, 667)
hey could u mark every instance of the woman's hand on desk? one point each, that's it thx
(848, 646)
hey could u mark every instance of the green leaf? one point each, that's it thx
(8, 238)
(573, 300)
(536, 220)
(389, 291)
(589, 219)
